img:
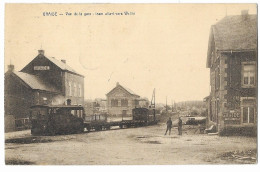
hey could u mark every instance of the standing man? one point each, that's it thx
(180, 126)
(169, 126)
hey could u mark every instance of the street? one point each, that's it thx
(132, 146)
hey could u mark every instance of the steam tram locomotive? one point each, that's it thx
(56, 119)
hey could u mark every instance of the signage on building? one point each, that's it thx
(41, 68)
(232, 117)
(232, 114)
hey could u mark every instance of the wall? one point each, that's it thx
(18, 97)
(215, 83)
(120, 94)
(72, 79)
(235, 91)
(9, 123)
(226, 96)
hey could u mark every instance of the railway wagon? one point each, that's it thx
(140, 117)
(56, 119)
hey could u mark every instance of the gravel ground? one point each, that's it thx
(146, 145)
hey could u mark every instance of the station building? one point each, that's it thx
(232, 60)
(45, 80)
(121, 101)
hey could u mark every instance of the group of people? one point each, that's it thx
(169, 126)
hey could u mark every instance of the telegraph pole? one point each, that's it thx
(153, 103)
(166, 107)
(172, 106)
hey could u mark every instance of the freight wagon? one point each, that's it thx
(66, 119)
(140, 117)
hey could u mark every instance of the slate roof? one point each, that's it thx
(61, 65)
(236, 33)
(233, 33)
(129, 90)
(35, 82)
(126, 89)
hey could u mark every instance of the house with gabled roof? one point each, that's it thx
(45, 80)
(232, 60)
(121, 101)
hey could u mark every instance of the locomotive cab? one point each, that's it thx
(143, 114)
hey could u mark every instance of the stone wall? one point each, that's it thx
(225, 96)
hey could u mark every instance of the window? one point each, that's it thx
(80, 113)
(70, 92)
(248, 74)
(114, 102)
(135, 103)
(248, 114)
(79, 92)
(75, 89)
(124, 102)
(248, 110)
(217, 78)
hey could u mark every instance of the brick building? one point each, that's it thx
(232, 59)
(43, 81)
(121, 100)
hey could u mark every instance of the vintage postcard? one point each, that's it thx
(130, 84)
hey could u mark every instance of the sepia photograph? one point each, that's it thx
(130, 84)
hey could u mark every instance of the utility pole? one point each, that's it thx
(172, 106)
(153, 103)
(166, 107)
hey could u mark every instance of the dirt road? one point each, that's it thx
(146, 145)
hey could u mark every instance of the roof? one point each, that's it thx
(129, 90)
(35, 82)
(234, 33)
(126, 89)
(61, 65)
(206, 98)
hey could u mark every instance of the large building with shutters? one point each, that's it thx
(232, 60)
(45, 80)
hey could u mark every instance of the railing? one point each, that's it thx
(101, 117)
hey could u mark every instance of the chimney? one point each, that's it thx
(244, 14)
(41, 52)
(10, 68)
(62, 60)
(117, 83)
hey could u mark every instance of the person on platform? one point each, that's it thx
(180, 126)
(169, 126)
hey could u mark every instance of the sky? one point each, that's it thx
(161, 46)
